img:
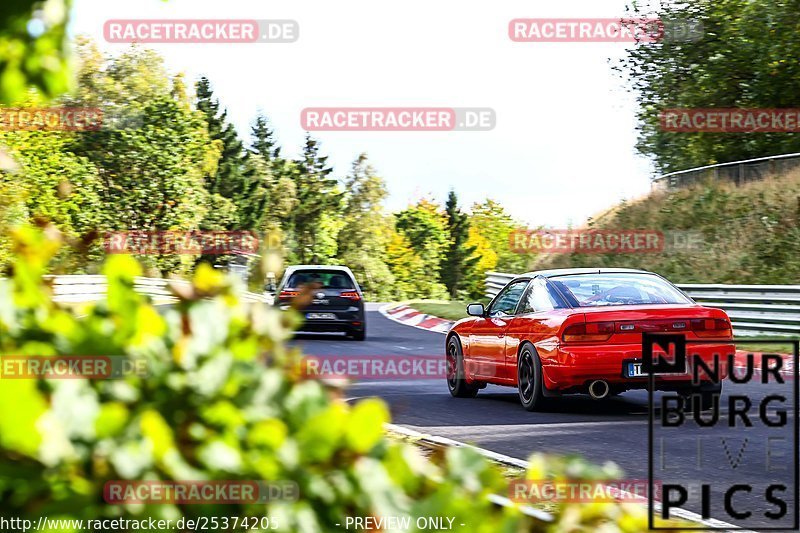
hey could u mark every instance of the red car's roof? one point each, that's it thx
(570, 271)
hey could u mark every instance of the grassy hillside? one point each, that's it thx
(750, 234)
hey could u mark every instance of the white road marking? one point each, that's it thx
(513, 461)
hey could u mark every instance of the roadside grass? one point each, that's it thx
(754, 346)
(745, 235)
(449, 310)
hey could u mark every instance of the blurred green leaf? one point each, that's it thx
(365, 427)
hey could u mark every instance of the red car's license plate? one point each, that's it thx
(634, 370)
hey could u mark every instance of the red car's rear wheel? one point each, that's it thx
(529, 378)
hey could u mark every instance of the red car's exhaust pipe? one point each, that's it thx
(599, 389)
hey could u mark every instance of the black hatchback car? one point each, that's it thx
(337, 303)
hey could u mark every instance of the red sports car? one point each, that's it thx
(580, 330)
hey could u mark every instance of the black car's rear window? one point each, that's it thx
(328, 279)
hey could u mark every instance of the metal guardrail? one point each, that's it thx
(737, 172)
(753, 309)
(496, 281)
(92, 288)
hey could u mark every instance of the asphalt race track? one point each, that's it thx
(615, 429)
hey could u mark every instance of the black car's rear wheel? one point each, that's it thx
(456, 382)
(529, 378)
(357, 334)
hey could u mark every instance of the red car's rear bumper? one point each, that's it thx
(569, 368)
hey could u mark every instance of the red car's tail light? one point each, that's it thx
(589, 332)
(288, 294)
(350, 295)
(712, 327)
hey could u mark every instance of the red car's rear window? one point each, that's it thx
(594, 290)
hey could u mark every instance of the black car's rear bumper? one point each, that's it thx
(344, 321)
(329, 325)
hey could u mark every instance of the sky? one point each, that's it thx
(562, 149)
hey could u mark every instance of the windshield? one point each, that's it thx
(594, 290)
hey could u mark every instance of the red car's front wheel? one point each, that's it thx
(456, 382)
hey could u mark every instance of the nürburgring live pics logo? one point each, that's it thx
(736, 462)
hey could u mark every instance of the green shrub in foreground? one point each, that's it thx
(222, 401)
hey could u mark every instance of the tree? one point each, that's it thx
(491, 221)
(487, 261)
(34, 54)
(459, 261)
(152, 167)
(233, 178)
(407, 268)
(54, 185)
(745, 59)
(317, 195)
(366, 229)
(13, 213)
(281, 191)
(263, 136)
(425, 227)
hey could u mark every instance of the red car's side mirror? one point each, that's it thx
(476, 310)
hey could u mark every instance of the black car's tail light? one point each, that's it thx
(288, 294)
(350, 295)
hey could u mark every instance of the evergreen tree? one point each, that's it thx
(318, 198)
(233, 178)
(266, 167)
(459, 261)
(264, 143)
